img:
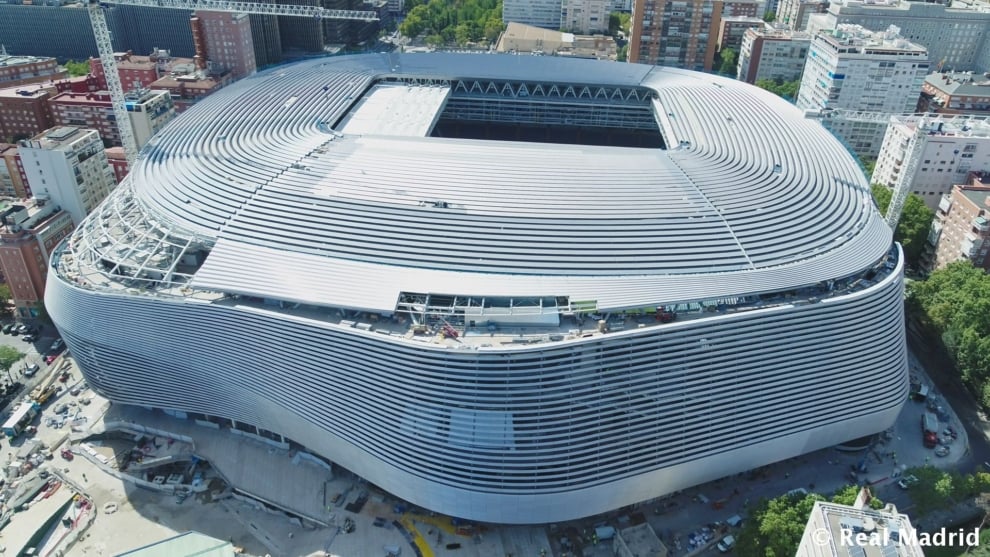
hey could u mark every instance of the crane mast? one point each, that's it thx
(104, 45)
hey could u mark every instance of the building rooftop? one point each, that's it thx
(396, 110)
(27, 214)
(189, 544)
(886, 528)
(53, 139)
(779, 32)
(871, 42)
(642, 540)
(946, 125)
(7, 60)
(526, 38)
(25, 91)
(960, 83)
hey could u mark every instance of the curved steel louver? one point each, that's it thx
(629, 322)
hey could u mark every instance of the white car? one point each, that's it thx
(907, 481)
(30, 370)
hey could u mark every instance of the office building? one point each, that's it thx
(772, 52)
(538, 13)
(855, 69)
(526, 39)
(961, 228)
(955, 36)
(795, 13)
(833, 529)
(68, 165)
(675, 34)
(29, 231)
(226, 38)
(508, 347)
(24, 111)
(149, 111)
(585, 17)
(955, 93)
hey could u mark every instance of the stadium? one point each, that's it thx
(512, 289)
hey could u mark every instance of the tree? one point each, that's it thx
(728, 66)
(5, 297)
(786, 89)
(623, 54)
(8, 357)
(769, 16)
(77, 69)
(869, 164)
(619, 22)
(912, 228)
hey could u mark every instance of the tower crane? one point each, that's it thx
(104, 46)
(912, 154)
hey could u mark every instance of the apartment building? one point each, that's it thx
(29, 231)
(527, 39)
(538, 13)
(955, 36)
(226, 38)
(586, 17)
(796, 13)
(961, 228)
(188, 89)
(732, 29)
(24, 111)
(149, 111)
(853, 68)
(953, 146)
(69, 165)
(772, 52)
(680, 34)
(886, 530)
(24, 70)
(956, 93)
(14, 169)
(139, 72)
(118, 161)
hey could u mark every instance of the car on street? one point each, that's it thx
(907, 481)
(50, 358)
(24, 328)
(30, 370)
(57, 345)
(8, 327)
(30, 337)
(726, 544)
(942, 450)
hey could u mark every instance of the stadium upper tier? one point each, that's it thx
(558, 329)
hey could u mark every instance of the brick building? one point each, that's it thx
(149, 112)
(139, 72)
(24, 111)
(118, 162)
(226, 38)
(955, 93)
(961, 228)
(29, 232)
(24, 70)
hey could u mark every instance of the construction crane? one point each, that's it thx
(902, 187)
(105, 47)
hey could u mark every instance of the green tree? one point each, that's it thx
(769, 16)
(729, 57)
(914, 224)
(623, 54)
(869, 164)
(8, 357)
(619, 21)
(786, 89)
(76, 69)
(5, 297)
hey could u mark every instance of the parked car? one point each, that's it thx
(907, 481)
(24, 328)
(7, 328)
(50, 358)
(30, 370)
(30, 337)
(726, 544)
(57, 345)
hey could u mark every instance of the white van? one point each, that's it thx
(726, 544)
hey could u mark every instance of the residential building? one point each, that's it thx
(251, 217)
(69, 165)
(953, 146)
(138, 72)
(638, 541)
(680, 34)
(29, 231)
(118, 161)
(187, 89)
(527, 39)
(795, 13)
(853, 68)
(955, 93)
(23, 70)
(772, 52)
(585, 17)
(961, 228)
(149, 111)
(227, 39)
(538, 13)
(831, 526)
(15, 172)
(741, 8)
(88, 83)
(24, 111)
(731, 30)
(955, 36)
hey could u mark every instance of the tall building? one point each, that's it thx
(142, 29)
(731, 31)
(855, 69)
(795, 13)
(955, 36)
(138, 72)
(538, 13)
(23, 70)
(29, 231)
(24, 111)
(676, 34)
(69, 166)
(227, 39)
(58, 32)
(15, 172)
(525, 349)
(267, 40)
(149, 111)
(772, 52)
(834, 529)
(953, 146)
(955, 93)
(586, 17)
(961, 229)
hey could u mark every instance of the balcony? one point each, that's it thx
(945, 204)
(981, 226)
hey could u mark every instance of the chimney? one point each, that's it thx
(199, 42)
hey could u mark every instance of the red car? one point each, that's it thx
(50, 359)
(67, 454)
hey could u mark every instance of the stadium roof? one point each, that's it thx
(749, 197)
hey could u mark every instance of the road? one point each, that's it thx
(34, 353)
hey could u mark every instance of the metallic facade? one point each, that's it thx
(259, 266)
